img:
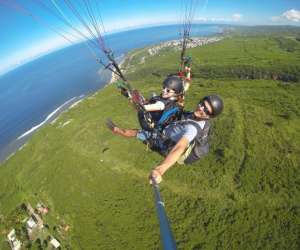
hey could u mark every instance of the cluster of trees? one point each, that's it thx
(268, 30)
(286, 44)
(243, 72)
(286, 74)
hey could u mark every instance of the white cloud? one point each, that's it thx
(237, 17)
(234, 18)
(201, 19)
(290, 15)
(276, 18)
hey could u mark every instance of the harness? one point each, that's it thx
(161, 118)
(198, 147)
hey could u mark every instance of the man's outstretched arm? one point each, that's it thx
(121, 131)
(170, 159)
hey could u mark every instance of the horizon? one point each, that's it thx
(24, 39)
(67, 45)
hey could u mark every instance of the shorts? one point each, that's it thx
(155, 142)
(143, 135)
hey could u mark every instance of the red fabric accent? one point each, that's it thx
(137, 97)
(181, 74)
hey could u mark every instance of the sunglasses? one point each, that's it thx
(166, 90)
(202, 106)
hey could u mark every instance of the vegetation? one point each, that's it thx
(275, 58)
(263, 30)
(243, 195)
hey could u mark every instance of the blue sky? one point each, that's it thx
(23, 38)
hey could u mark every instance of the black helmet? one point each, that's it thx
(216, 104)
(174, 82)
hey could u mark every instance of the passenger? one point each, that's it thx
(166, 107)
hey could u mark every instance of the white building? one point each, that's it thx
(54, 243)
(14, 243)
(31, 223)
(31, 226)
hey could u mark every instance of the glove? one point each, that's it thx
(122, 86)
(124, 92)
(187, 61)
(111, 125)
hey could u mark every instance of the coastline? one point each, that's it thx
(114, 77)
(21, 141)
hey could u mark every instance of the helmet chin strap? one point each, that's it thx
(173, 98)
(200, 118)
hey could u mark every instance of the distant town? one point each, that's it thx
(176, 44)
(156, 49)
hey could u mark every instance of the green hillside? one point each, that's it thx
(243, 195)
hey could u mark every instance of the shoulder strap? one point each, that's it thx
(172, 112)
(191, 122)
(201, 133)
(199, 146)
(167, 114)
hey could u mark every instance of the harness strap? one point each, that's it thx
(167, 114)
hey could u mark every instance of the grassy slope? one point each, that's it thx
(244, 195)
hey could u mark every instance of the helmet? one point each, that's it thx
(174, 82)
(216, 104)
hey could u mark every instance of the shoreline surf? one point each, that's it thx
(19, 143)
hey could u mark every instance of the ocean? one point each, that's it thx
(37, 92)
